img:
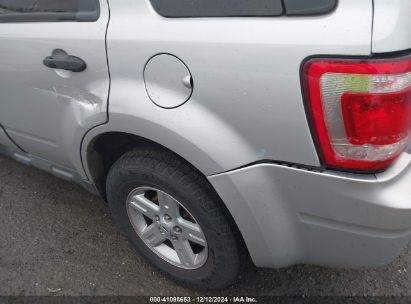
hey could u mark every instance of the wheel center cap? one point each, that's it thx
(163, 229)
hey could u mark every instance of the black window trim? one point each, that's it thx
(26, 17)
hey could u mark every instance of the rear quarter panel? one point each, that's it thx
(247, 103)
(392, 26)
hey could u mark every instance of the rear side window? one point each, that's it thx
(241, 8)
(49, 10)
(217, 8)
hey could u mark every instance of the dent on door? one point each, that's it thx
(47, 108)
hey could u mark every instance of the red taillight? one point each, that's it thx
(359, 110)
(377, 119)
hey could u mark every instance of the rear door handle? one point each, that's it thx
(68, 63)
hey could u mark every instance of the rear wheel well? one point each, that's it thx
(106, 149)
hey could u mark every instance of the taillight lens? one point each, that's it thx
(359, 110)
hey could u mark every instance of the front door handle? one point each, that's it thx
(68, 63)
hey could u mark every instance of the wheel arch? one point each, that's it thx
(103, 149)
(212, 148)
(98, 164)
(125, 138)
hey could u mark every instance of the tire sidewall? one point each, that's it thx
(124, 184)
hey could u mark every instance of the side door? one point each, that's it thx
(54, 78)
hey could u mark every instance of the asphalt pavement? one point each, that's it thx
(57, 239)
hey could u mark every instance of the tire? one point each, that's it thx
(224, 257)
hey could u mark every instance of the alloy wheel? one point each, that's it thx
(167, 228)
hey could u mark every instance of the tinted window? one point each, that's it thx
(312, 7)
(49, 10)
(241, 8)
(217, 8)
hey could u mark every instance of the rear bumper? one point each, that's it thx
(288, 215)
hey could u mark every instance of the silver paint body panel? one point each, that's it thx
(392, 25)
(47, 111)
(289, 216)
(246, 107)
(247, 94)
(5, 140)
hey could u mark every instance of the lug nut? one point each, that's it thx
(157, 218)
(177, 229)
(167, 217)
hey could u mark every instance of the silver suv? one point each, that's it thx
(221, 132)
